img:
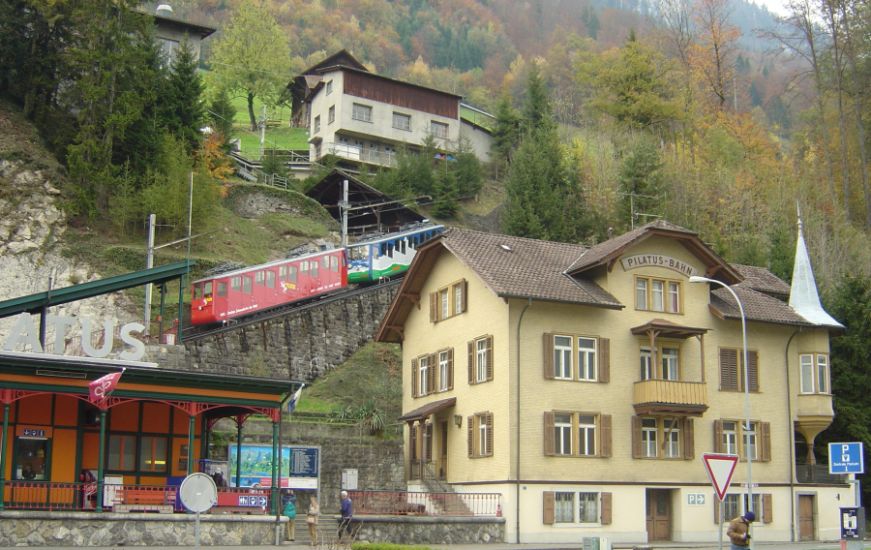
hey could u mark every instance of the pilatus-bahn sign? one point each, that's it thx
(657, 260)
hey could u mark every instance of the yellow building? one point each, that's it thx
(584, 385)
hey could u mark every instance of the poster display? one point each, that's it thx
(300, 466)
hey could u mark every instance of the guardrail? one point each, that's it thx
(424, 503)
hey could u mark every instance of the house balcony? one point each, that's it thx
(670, 397)
(357, 153)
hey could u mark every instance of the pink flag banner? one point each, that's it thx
(100, 389)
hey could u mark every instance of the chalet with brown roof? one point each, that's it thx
(583, 384)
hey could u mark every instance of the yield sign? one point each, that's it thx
(720, 469)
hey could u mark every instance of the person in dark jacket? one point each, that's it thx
(346, 511)
(290, 512)
(739, 530)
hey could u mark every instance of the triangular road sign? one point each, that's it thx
(720, 469)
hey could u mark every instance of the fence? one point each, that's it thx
(57, 496)
(424, 503)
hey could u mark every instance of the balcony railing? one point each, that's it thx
(55, 496)
(670, 396)
(358, 153)
(816, 473)
(422, 503)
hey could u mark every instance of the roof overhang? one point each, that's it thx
(424, 412)
(667, 329)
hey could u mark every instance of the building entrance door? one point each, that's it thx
(658, 514)
(443, 450)
(806, 526)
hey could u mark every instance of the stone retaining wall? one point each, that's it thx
(430, 530)
(135, 529)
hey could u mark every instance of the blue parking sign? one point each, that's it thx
(846, 458)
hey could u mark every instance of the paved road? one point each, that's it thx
(543, 546)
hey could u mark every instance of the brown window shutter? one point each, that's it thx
(414, 378)
(430, 381)
(636, 437)
(547, 345)
(604, 360)
(605, 431)
(548, 508)
(688, 439)
(728, 369)
(753, 370)
(718, 436)
(451, 368)
(489, 358)
(472, 362)
(465, 286)
(433, 307)
(548, 433)
(765, 439)
(489, 419)
(716, 500)
(767, 511)
(470, 425)
(606, 509)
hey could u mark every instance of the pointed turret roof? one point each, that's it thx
(803, 296)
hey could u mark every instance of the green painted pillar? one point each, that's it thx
(238, 450)
(276, 460)
(191, 445)
(180, 309)
(3, 454)
(102, 452)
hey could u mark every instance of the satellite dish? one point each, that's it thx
(198, 492)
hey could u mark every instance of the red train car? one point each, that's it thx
(241, 292)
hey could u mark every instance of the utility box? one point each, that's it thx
(591, 543)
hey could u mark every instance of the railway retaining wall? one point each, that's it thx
(300, 345)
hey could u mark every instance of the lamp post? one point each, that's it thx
(697, 279)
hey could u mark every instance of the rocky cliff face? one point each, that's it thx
(32, 229)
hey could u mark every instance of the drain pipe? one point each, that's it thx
(517, 427)
(791, 435)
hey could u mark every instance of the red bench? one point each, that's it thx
(141, 499)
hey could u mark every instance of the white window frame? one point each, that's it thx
(673, 296)
(592, 500)
(329, 87)
(444, 368)
(444, 303)
(587, 424)
(481, 355)
(562, 433)
(423, 373)
(670, 361)
(735, 504)
(317, 124)
(814, 374)
(564, 507)
(649, 438)
(331, 114)
(823, 375)
(646, 363)
(672, 438)
(458, 298)
(482, 436)
(402, 121)
(750, 437)
(655, 294)
(562, 357)
(642, 291)
(439, 129)
(362, 113)
(730, 437)
(587, 359)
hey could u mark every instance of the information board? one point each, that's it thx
(300, 466)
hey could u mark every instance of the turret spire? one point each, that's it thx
(803, 296)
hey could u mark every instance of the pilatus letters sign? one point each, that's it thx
(658, 260)
(25, 333)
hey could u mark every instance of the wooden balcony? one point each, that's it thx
(670, 397)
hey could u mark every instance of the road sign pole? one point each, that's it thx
(722, 520)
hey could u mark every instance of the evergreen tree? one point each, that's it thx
(468, 172)
(183, 110)
(221, 114)
(445, 203)
(506, 131)
(537, 113)
(641, 181)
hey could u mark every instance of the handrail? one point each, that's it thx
(426, 503)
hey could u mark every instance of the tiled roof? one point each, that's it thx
(526, 268)
(757, 306)
(759, 278)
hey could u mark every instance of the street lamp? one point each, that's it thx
(697, 279)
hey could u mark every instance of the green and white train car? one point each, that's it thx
(388, 255)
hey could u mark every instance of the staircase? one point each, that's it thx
(449, 506)
(327, 528)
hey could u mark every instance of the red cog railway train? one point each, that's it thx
(234, 294)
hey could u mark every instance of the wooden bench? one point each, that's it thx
(131, 499)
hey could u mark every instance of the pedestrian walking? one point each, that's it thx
(346, 511)
(739, 530)
(311, 519)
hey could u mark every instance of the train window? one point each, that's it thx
(304, 267)
(198, 292)
(246, 285)
(402, 243)
(314, 267)
(292, 274)
(334, 264)
(325, 260)
(222, 288)
(207, 288)
(236, 283)
(357, 253)
(390, 247)
(270, 279)
(282, 272)
(260, 277)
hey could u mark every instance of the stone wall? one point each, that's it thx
(301, 345)
(135, 529)
(429, 530)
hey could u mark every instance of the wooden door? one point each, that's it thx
(658, 514)
(806, 526)
(443, 447)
